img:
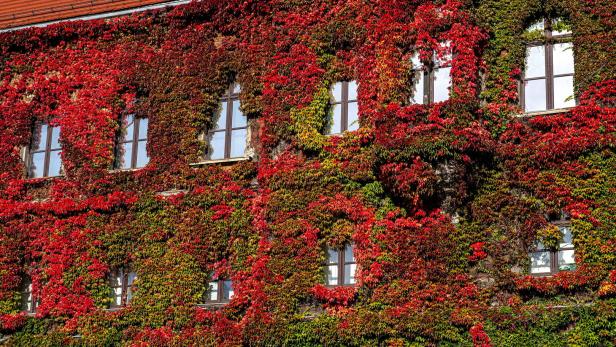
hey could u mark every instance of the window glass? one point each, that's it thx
(332, 255)
(539, 25)
(352, 90)
(336, 119)
(567, 240)
(534, 95)
(39, 138)
(217, 145)
(236, 88)
(143, 128)
(349, 273)
(221, 117)
(213, 291)
(55, 164)
(37, 165)
(129, 127)
(227, 290)
(348, 254)
(418, 95)
(142, 154)
(535, 62)
(336, 92)
(332, 275)
(540, 262)
(353, 117)
(442, 82)
(566, 260)
(238, 143)
(239, 120)
(563, 92)
(563, 58)
(55, 138)
(125, 155)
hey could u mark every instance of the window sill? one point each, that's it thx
(118, 171)
(213, 305)
(227, 161)
(545, 113)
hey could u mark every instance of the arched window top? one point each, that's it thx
(547, 29)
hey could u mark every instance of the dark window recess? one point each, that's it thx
(545, 262)
(121, 283)
(44, 159)
(28, 300)
(131, 151)
(549, 69)
(341, 266)
(219, 292)
(343, 111)
(432, 80)
(228, 135)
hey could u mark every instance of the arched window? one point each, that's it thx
(432, 81)
(344, 112)
(228, 135)
(549, 67)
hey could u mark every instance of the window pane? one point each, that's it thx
(418, 88)
(39, 137)
(213, 291)
(143, 128)
(131, 278)
(335, 126)
(563, 92)
(534, 95)
(540, 262)
(238, 143)
(336, 92)
(55, 138)
(227, 292)
(537, 26)
(535, 62)
(348, 254)
(332, 275)
(442, 82)
(415, 61)
(220, 117)
(352, 90)
(566, 260)
(567, 237)
(55, 164)
(125, 155)
(217, 145)
(236, 88)
(332, 256)
(353, 117)
(129, 127)
(239, 120)
(37, 166)
(563, 31)
(142, 154)
(117, 296)
(349, 273)
(563, 58)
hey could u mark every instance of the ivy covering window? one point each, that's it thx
(227, 139)
(545, 261)
(132, 143)
(344, 111)
(28, 302)
(219, 292)
(431, 81)
(549, 67)
(45, 159)
(122, 281)
(341, 266)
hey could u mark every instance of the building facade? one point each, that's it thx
(308, 173)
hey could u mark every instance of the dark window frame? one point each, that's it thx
(548, 41)
(341, 264)
(38, 126)
(554, 267)
(344, 106)
(428, 72)
(124, 285)
(229, 97)
(220, 300)
(121, 139)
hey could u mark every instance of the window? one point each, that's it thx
(122, 281)
(341, 266)
(219, 292)
(549, 68)
(344, 112)
(44, 158)
(131, 150)
(227, 139)
(28, 302)
(547, 261)
(431, 81)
